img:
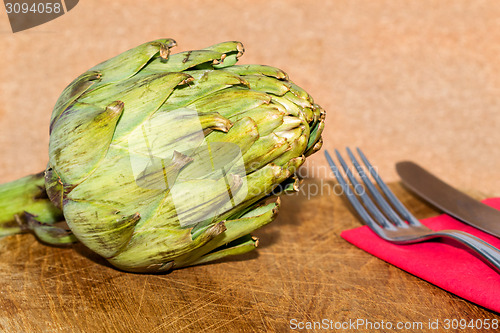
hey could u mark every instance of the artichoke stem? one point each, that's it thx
(25, 195)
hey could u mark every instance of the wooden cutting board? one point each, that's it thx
(302, 271)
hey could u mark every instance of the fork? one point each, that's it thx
(395, 223)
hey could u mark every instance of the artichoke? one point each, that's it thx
(160, 161)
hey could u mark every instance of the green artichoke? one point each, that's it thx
(160, 161)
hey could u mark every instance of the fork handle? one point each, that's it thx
(487, 252)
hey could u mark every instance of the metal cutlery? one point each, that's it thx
(448, 199)
(395, 223)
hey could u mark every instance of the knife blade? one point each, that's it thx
(448, 199)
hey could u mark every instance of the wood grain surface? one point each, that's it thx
(302, 270)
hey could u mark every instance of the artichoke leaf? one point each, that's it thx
(193, 201)
(150, 247)
(267, 84)
(226, 61)
(317, 146)
(236, 230)
(296, 148)
(316, 130)
(128, 63)
(100, 227)
(259, 184)
(258, 70)
(73, 155)
(117, 181)
(183, 61)
(49, 232)
(227, 48)
(155, 138)
(72, 92)
(266, 116)
(141, 98)
(292, 108)
(265, 150)
(204, 83)
(212, 160)
(244, 133)
(289, 123)
(300, 93)
(239, 246)
(230, 101)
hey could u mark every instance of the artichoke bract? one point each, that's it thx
(159, 161)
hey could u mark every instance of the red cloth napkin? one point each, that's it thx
(447, 265)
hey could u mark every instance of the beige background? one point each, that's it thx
(402, 79)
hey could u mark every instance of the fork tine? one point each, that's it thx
(345, 187)
(352, 197)
(388, 193)
(368, 203)
(376, 195)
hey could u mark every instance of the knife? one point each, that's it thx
(448, 199)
